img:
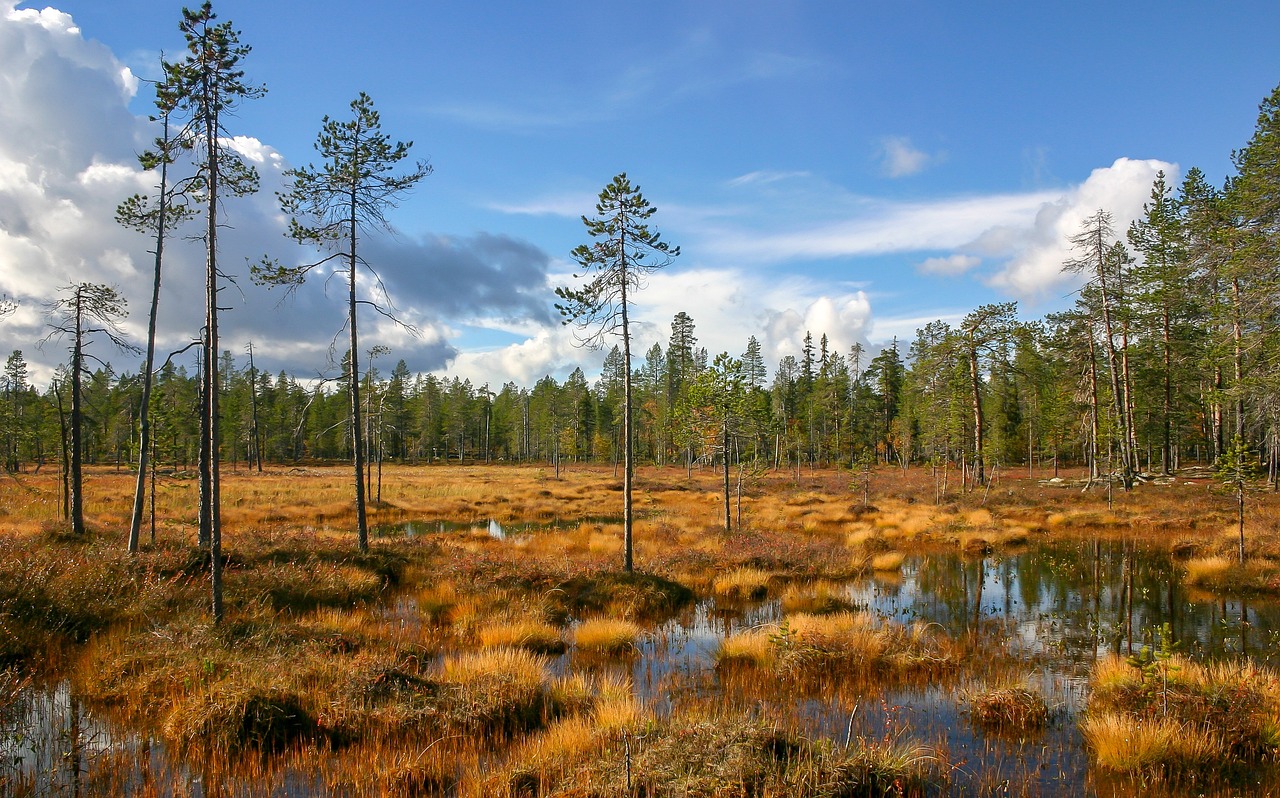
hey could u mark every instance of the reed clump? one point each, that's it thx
(806, 645)
(1010, 710)
(500, 689)
(1162, 712)
(606, 636)
(634, 596)
(723, 755)
(1227, 575)
(529, 634)
(817, 598)
(742, 583)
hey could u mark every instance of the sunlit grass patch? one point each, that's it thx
(1172, 713)
(1209, 571)
(1128, 744)
(750, 647)
(818, 598)
(497, 688)
(742, 583)
(1009, 709)
(607, 636)
(716, 755)
(632, 596)
(805, 644)
(536, 636)
(888, 561)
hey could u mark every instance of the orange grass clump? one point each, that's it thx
(608, 636)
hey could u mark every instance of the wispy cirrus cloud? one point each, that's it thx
(699, 64)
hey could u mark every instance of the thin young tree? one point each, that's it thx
(329, 207)
(715, 401)
(208, 85)
(1163, 296)
(625, 251)
(983, 333)
(1099, 260)
(85, 311)
(157, 216)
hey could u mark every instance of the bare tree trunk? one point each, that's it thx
(357, 440)
(77, 422)
(728, 518)
(628, 447)
(144, 405)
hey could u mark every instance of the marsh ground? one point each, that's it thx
(488, 645)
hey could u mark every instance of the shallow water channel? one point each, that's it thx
(1041, 616)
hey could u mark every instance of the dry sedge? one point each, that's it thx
(889, 561)
(742, 583)
(819, 598)
(1015, 709)
(610, 636)
(751, 647)
(1123, 743)
(542, 638)
(503, 687)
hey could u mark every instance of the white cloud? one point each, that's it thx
(1037, 251)
(570, 205)
(764, 177)
(68, 147)
(949, 266)
(899, 158)
(874, 228)
(727, 306)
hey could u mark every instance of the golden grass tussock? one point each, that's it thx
(817, 598)
(917, 522)
(805, 643)
(749, 647)
(1172, 713)
(532, 635)
(863, 536)
(980, 517)
(1009, 709)
(606, 636)
(500, 687)
(742, 583)
(847, 635)
(888, 561)
(711, 755)
(1227, 575)
(1127, 744)
(1209, 571)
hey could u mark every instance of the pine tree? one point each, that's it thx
(330, 206)
(208, 85)
(625, 250)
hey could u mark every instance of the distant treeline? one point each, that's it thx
(1170, 354)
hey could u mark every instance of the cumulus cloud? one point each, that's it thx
(727, 306)
(899, 158)
(68, 147)
(948, 266)
(1035, 252)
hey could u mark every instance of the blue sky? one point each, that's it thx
(852, 169)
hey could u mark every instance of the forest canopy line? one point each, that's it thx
(1167, 356)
